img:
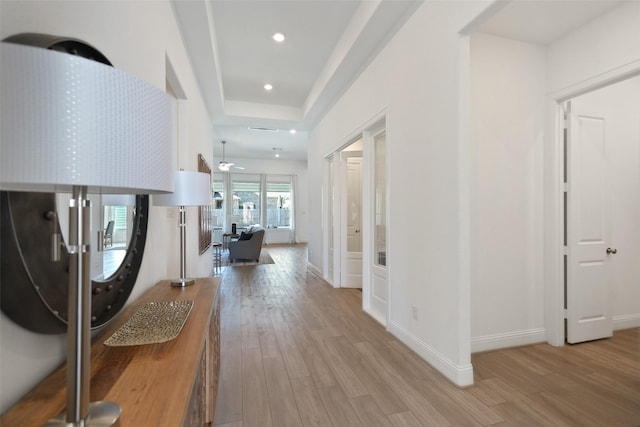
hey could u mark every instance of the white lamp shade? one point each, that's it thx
(191, 189)
(68, 121)
(118, 200)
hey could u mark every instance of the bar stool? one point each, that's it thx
(217, 254)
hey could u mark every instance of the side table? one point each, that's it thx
(226, 238)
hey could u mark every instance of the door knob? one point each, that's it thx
(612, 251)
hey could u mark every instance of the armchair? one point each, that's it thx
(248, 249)
(108, 234)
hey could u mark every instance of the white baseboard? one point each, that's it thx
(315, 269)
(460, 375)
(626, 321)
(509, 339)
(375, 316)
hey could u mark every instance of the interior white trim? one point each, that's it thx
(375, 316)
(315, 270)
(464, 203)
(626, 321)
(376, 125)
(610, 77)
(460, 375)
(508, 339)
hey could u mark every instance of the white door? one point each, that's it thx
(351, 265)
(377, 296)
(589, 313)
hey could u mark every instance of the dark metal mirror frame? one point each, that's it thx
(33, 288)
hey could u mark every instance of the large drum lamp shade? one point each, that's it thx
(68, 121)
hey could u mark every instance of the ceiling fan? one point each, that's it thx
(224, 165)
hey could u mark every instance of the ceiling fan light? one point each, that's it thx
(224, 165)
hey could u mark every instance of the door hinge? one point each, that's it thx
(565, 250)
(564, 313)
(565, 187)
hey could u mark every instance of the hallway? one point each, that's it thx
(296, 352)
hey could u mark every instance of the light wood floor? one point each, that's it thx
(296, 352)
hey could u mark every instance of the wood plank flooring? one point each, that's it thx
(296, 352)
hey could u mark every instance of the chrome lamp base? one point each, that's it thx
(181, 283)
(101, 414)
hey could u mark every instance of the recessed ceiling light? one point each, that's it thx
(292, 131)
(277, 155)
(279, 37)
(268, 87)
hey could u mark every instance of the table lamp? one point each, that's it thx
(191, 189)
(69, 124)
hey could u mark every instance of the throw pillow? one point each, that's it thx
(244, 236)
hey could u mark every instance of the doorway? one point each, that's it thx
(601, 210)
(351, 216)
(344, 235)
(356, 211)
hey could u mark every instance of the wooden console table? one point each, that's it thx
(168, 384)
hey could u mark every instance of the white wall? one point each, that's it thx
(507, 127)
(603, 49)
(610, 42)
(622, 102)
(415, 80)
(510, 85)
(137, 37)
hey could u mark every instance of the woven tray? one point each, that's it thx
(153, 323)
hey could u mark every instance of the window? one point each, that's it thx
(278, 204)
(262, 199)
(218, 200)
(246, 199)
(120, 217)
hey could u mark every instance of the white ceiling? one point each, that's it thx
(543, 21)
(328, 43)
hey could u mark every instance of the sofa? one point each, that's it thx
(248, 245)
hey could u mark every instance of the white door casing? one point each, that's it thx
(329, 230)
(589, 313)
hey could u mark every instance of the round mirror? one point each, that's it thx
(34, 262)
(34, 286)
(112, 215)
(116, 220)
